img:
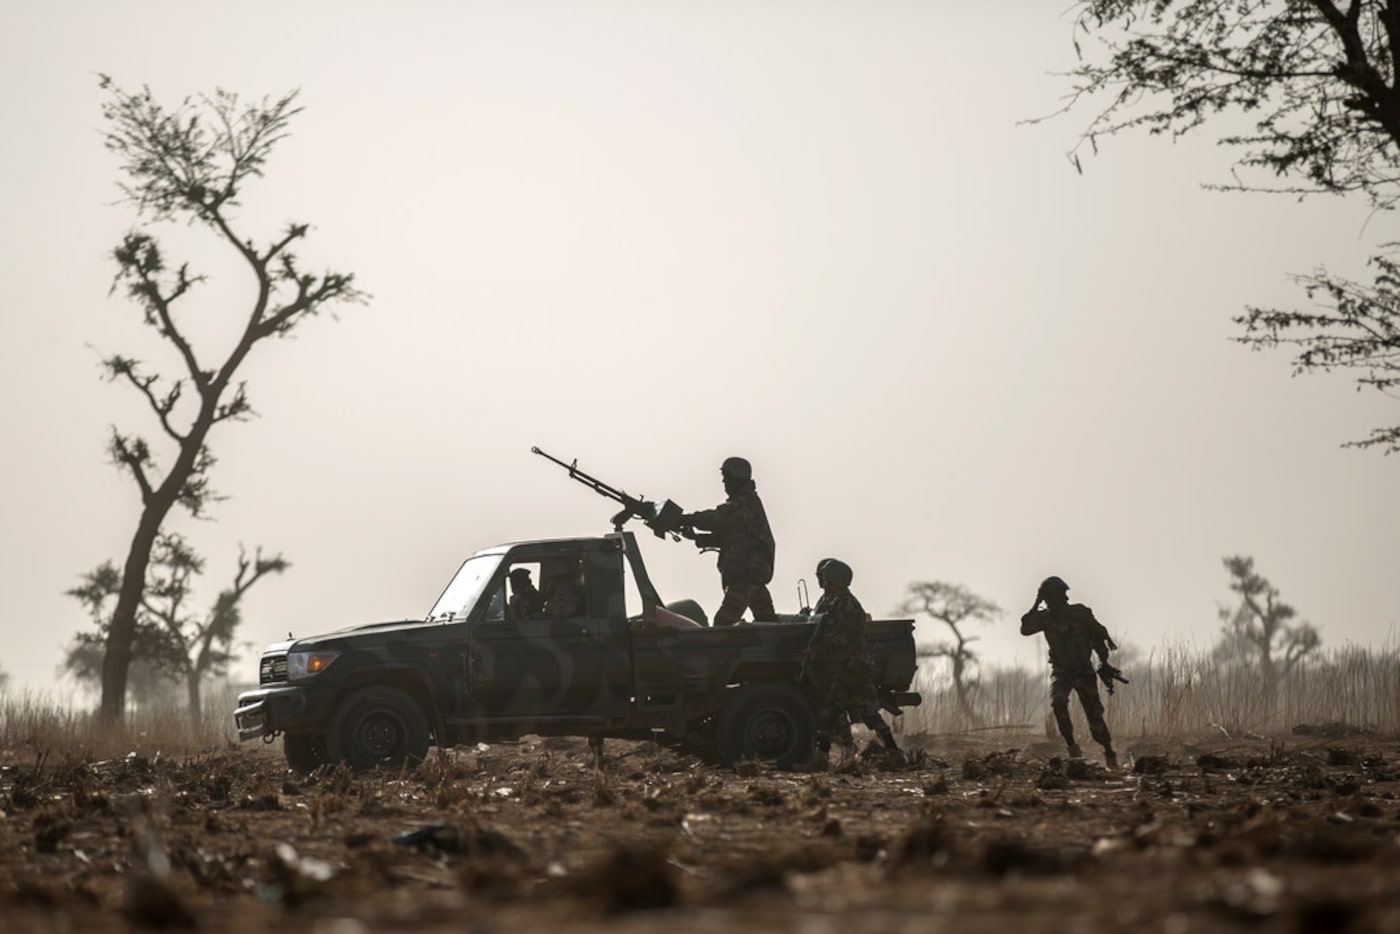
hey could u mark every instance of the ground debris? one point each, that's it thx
(527, 835)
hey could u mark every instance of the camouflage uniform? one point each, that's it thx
(842, 672)
(739, 528)
(1074, 636)
(565, 601)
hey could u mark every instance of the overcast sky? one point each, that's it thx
(653, 235)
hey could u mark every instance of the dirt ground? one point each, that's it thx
(1293, 833)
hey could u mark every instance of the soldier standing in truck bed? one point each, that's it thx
(837, 662)
(1074, 637)
(738, 527)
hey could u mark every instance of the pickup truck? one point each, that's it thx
(622, 665)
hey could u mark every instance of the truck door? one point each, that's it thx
(608, 609)
(549, 664)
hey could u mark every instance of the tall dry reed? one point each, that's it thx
(1181, 691)
(40, 724)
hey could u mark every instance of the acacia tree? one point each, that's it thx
(191, 164)
(153, 658)
(1260, 631)
(1317, 80)
(172, 643)
(953, 605)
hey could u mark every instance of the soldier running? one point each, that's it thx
(738, 527)
(1074, 637)
(838, 664)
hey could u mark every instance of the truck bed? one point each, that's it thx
(680, 661)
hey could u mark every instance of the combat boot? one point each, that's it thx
(1075, 752)
(1110, 758)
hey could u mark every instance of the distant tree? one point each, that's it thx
(1260, 631)
(1317, 80)
(4, 679)
(953, 605)
(191, 164)
(151, 674)
(172, 643)
(148, 684)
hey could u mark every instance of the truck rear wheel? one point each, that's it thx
(378, 726)
(305, 752)
(768, 722)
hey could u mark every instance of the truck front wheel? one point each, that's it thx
(378, 726)
(305, 752)
(769, 722)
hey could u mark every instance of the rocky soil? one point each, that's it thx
(1291, 833)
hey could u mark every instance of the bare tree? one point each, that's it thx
(173, 644)
(192, 164)
(1317, 80)
(151, 676)
(1260, 631)
(953, 605)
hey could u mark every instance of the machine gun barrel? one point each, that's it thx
(663, 518)
(593, 483)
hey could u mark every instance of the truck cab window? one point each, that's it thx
(562, 585)
(496, 608)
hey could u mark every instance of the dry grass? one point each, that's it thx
(1175, 692)
(1179, 692)
(38, 725)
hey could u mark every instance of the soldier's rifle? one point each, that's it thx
(663, 518)
(1108, 674)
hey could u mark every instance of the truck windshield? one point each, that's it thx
(466, 587)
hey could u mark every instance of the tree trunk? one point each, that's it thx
(156, 506)
(116, 658)
(961, 691)
(1269, 670)
(192, 694)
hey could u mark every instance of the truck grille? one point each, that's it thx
(272, 669)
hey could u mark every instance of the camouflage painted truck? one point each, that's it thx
(626, 666)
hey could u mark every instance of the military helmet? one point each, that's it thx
(1053, 583)
(519, 574)
(736, 468)
(835, 572)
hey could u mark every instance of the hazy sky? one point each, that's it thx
(652, 235)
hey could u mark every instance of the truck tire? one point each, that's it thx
(378, 726)
(305, 752)
(770, 723)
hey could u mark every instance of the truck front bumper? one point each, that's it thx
(266, 711)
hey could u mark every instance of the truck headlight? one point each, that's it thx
(305, 664)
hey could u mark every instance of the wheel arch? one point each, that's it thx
(783, 706)
(410, 681)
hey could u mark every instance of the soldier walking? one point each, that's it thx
(1074, 637)
(738, 527)
(837, 662)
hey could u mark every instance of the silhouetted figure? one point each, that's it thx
(838, 664)
(526, 602)
(1074, 637)
(738, 527)
(563, 592)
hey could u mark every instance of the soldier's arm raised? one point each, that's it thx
(1033, 620)
(708, 520)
